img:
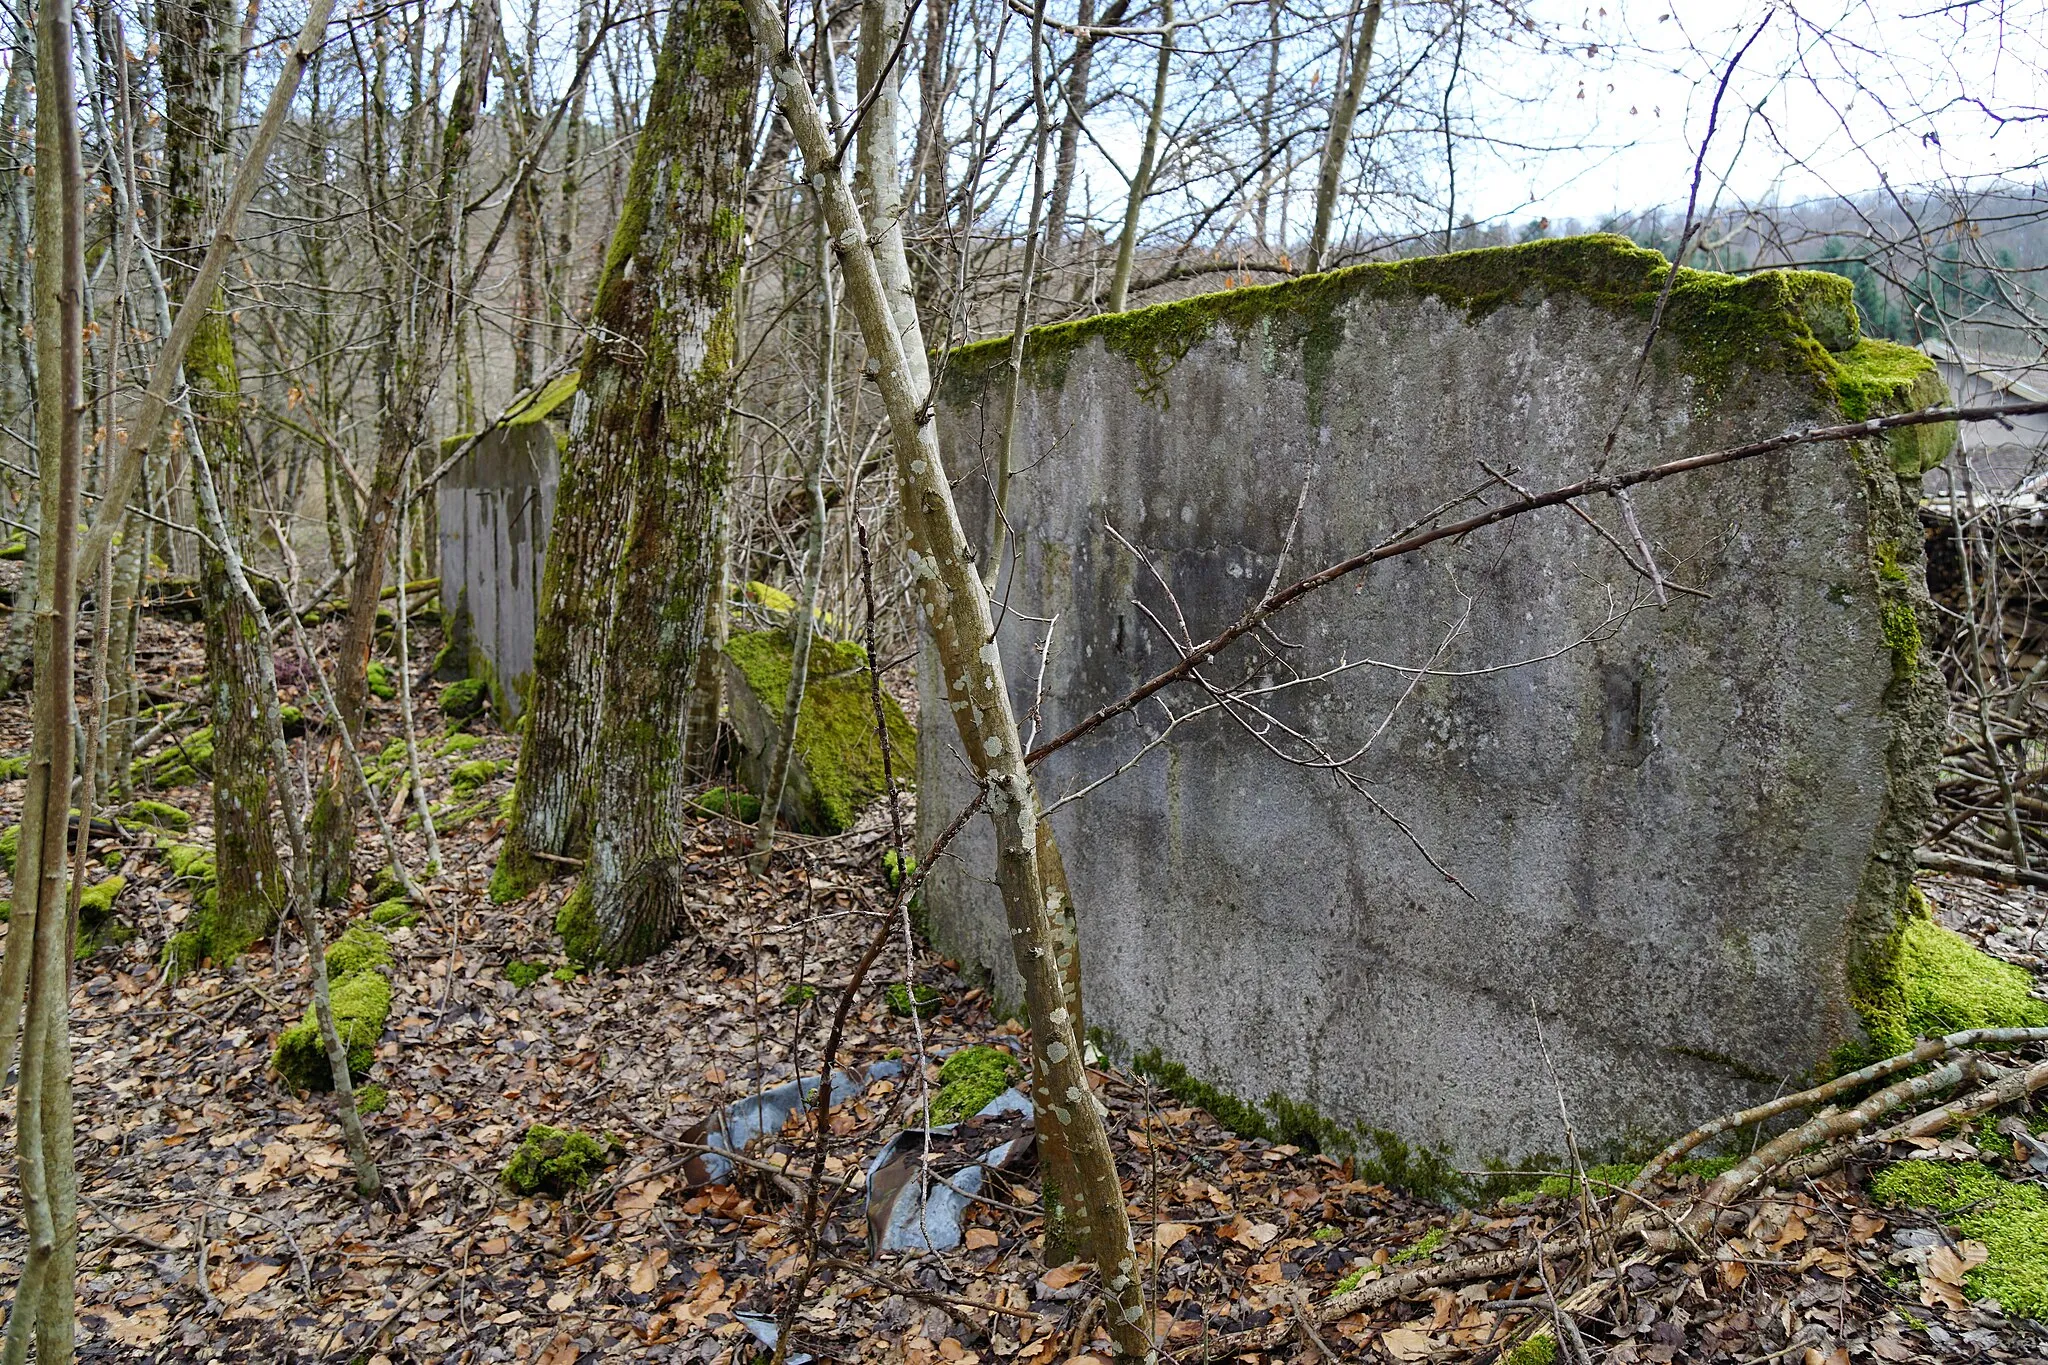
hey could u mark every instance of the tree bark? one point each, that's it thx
(1343, 113)
(198, 40)
(956, 609)
(38, 955)
(654, 407)
(1141, 183)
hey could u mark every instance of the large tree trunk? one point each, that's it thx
(419, 325)
(198, 42)
(653, 409)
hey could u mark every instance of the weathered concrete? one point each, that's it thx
(1686, 838)
(495, 507)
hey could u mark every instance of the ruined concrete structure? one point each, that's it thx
(1672, 845)
(495, 507)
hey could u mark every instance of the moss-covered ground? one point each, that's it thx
(2009, 1218)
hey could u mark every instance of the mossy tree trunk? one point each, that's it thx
(420, 314)
(637, 518)
(197, 38)
(666, 309)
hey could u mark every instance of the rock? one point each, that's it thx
(837, 766)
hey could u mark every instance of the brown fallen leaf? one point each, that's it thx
(1060, 1276)
(1864, 1226)
(1407, 1343)
(1167, 1235)
(981, 1239)
(648, 1273)
(1941, 1279)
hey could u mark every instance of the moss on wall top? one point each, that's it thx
(1798, 322)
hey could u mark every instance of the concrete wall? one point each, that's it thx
(495, 509)
(1676, 836)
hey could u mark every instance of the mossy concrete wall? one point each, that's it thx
(495, 507)
(1681, 838)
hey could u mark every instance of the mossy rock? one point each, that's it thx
(465, 699)
(468, 778)
(970, 1078)
(361, 1004)
(159, 815)
(379, 680)
(905, 1001)
(2010, 1219)
(16, 546)
(744, 807)
(396, 913)
(385, 885)
(457, 743)
(96, 922)
(556, 1161)
(187, 761)
(361, 948)
(1937, 982)
(837, 765)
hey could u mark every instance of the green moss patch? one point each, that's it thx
(555, 1161)
(835, 733)
(187, 761)
(372, 1099)
(907, 1001)
(159, 815)
(970, 1078)
(362, 1004)
(2011, 1220)
(524, 974)
(742, 806)
(576, 923)
(1935, 982)
(542, 402)
(381, 683)
(396, 913)
(360, 949)
(13, 768)
(469, 778)
(456, 744)
(1379, 1155)
(466, 699)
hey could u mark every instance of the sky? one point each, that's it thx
(1830, 97)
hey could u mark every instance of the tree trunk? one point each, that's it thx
(415, 357)
(667, 312)
(1343, 112)
(38, 955)
(1141, 183)
(956, 609)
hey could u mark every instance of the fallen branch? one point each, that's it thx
(1932, 1050)
(1977, 867)
(2007, 1089)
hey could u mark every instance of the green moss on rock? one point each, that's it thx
(1932, 981)
(555, 1161)
(970, 1078)
(742, 806)
(2010, 1219)
(835, 735)
(465, 699)
(361, 1004)
(359, 949)
(907, 1001)
(1800, 323)
(468, 778)
(159, 815)
(396, 913)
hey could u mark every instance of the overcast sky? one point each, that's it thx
(1833, 96)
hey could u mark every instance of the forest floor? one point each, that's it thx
(220, 1223)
